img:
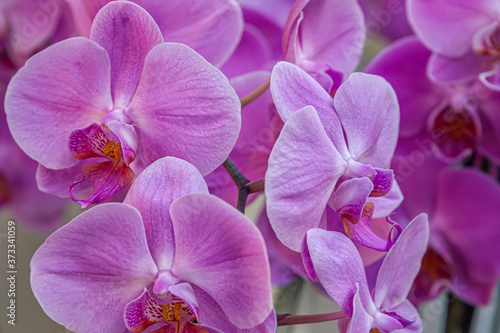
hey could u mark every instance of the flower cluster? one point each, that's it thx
(164, 118)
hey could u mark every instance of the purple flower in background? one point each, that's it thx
(26, 26)
(276, 10)
(325, 38)
(259, 47)
(333, 152)
(210, 27)
(463, 215)
(18, 189)
(455, 118)
(341, 272)
(464, 35)
(386, 18)
(166, 256)
(107, 106)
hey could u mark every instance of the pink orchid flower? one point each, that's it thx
(464, 36)
(169, 255)
(454, 118)
(90, 111)
(331, 151)
(340, 271)
(325, 38)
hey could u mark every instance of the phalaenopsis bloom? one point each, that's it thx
(331, 151)
(462, 208)
(455, 118)
(341, 272)
(94, 112)
(464, 35)
(171, 255)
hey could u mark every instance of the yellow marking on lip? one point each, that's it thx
(112, 149)
(171, 312)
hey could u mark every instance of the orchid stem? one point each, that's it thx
(245, 186)
(285, 319)
(256, 93)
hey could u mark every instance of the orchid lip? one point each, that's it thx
(148, 310)
(107, 177)
(455, 130)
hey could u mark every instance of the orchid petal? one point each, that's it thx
(221, 251)
(291, 30)
(307, 262)
(402, 264)
(490, 123)
(215, 320)
(350, 197)
(361, 321)
(128, 33)
(466, 207)
(453, 70)
(57, 182)
(259, 47)
(408, 311)
(137, 312)
(276, 10)
(448, 26)
(403, 65)
(184, 107)
(73, 79)
(364, 235)
(212, 28)
(84, 11)
(304, 167)
(285, 263)
(382, 182)
(387, 204)
(414, 164)
(369, 112)
(293, 89)
(153, 192)
(386, 322)
(106, 263)
(339, 45)
(252, 53)
(339, 269)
